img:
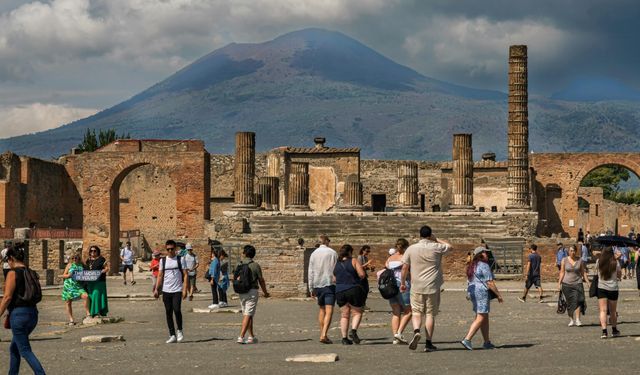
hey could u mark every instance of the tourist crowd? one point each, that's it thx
(411, 281)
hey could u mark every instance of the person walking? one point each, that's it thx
(350, 295)
(126, 257)
(584, 252)
(367, 265)
(401, 302)
(532, 269)
(609, 273)
(99, 303)
(481, 284)
(638, 268)
(172, 281)
(573, 273)
(214, 273)
(191, 261)
(424, 261)
(154, 267)
(22, 314)
(5, 265)
(223, 283)
(321, 284)
(71, 289)
(561, 253)
(249, 299)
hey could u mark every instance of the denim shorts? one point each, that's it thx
(402, 298)
(326, 295)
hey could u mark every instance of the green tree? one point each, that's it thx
(91, 142)
(608, 177)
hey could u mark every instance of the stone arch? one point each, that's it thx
(596, 163)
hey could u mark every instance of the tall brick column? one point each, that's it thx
(462, 173)
(408, 186)
(518, 131)
(352, 200)
(268, 188)
(244, 171)
(298, 189)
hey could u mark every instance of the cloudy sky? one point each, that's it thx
(62, 60)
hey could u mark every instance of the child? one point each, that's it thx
(154, 266)
(224, 283)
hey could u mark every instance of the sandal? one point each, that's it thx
(133, 283)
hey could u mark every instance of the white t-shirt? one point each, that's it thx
(190, 261)
(127, 256)
(5, 265)
(172, 282)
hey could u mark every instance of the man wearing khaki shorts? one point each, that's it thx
(423, 261)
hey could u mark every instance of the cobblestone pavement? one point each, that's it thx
(531, 338)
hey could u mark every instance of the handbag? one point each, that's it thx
(492, 294)
(562, 304)
(593, 289)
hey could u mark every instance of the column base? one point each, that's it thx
(461, 208)
(298, 208)
(351, 208)
(244, 207)
(518, 208)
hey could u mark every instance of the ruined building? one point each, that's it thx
(158, 189)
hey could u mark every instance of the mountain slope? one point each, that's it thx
(315, 82)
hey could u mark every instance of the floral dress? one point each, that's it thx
(478, 290)
(71, 289)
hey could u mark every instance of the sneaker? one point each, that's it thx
(172, 339)
(240, 340)
(615, 332)
(346, 341)
(223, 304)
(400, 338)
(252, 340)
(522, 299)
(571, 323)
(354, 336)
(604, 335)
(488, 345)
(467, 344)
(429, 347)
(180, 336)
(578, 323)
(413, 344)
(396, 342)
(213, 306)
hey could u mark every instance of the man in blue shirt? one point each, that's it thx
(560, 255)
(584, 252)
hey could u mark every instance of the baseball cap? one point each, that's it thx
(189, 247)
(479, 250)
(392, 251)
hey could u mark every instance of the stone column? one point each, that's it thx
(408, 186)
(268, 188)
(352, 198)
(244, 171)
(298, 189)
(462, 173)
(518, 131)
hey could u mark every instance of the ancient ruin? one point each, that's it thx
(159, 189)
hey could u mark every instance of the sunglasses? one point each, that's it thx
(93, 251)
(170, 248)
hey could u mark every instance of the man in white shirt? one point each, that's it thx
(172, 280)
(322, 284)
(126, 256)
(5, 265)
(424, 261)
(191, 260)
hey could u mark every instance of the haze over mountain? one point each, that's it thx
(315, 82)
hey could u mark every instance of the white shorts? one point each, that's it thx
(249, 302)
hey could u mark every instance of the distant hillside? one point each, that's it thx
(315, 82)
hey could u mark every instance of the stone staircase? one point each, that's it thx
(383, 227)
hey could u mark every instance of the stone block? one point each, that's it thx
(107, 338)
(102, 320)
(314, 358)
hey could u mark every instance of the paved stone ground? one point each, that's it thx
(531, 338)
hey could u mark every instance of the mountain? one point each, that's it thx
(596, 89)
(315, 82)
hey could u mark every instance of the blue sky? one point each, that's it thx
(62, 60)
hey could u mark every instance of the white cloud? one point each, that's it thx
(38, 117)
(478, 46)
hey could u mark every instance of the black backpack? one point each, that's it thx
(32, 290)
(242, 278)
(387, 284)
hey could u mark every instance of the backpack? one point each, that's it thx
(242, 278)
(32, 290)
(387, 284)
